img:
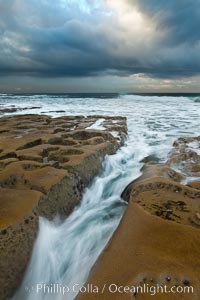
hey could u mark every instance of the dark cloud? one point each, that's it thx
(83, 38)
(179, 53)
(181, 18)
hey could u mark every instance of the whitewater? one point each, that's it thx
(65, 251)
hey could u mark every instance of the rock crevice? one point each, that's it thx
(158, 239)
(45, 164)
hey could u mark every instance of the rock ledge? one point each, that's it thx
(45, 164)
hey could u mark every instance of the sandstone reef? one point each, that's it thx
(158, 239)
(45, 164)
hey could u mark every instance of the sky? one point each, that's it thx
(99, 46)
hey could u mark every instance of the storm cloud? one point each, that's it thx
(80, 38)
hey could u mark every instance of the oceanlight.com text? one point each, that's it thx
(59, 289)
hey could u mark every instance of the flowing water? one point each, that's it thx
(65, 251)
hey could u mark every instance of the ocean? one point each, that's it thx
(153, 121)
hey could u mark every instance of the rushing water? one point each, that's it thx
(64, 252)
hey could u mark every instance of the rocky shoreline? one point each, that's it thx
(45, 164)
(158, 239)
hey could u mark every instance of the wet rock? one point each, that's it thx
(186, 282)
(7, 110)
(145, 244)
(150, 158)
(44, 168)
(159, 232)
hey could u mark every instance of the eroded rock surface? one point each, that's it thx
(171, 190)
(13, 109)
(158, 239)
(45, 164)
